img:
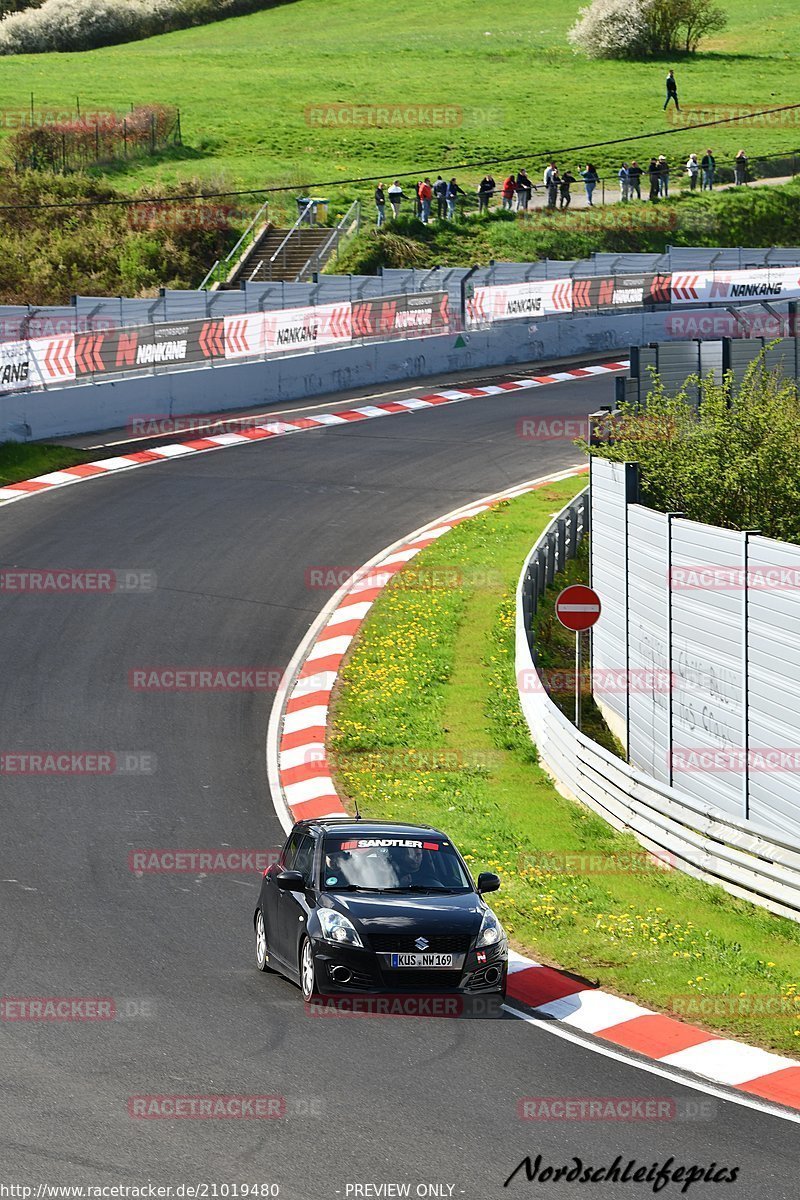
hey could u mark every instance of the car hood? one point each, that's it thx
(449, 913)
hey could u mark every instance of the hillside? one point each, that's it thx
(501, 81)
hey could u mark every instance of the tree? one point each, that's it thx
(732, 460)
(644, 28)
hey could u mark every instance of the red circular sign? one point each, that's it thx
(578, 607)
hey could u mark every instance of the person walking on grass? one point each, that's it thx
(655, 177)
(380, 204)
(565, 182)
(591, 180)
(693, 171)
(485, 193)
(395, 194)
(622, 175)
(509, 190)
(672, 90)
(708, 164)
(634, 180)
(440, 192)
(740, 168)
(453, 192)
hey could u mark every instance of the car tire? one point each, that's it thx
(308, 971)
(262, 962)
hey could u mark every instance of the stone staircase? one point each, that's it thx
(291, 260)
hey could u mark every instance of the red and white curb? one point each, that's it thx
(274, 429)
(302, 787)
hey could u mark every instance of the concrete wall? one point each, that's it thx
(111, 404)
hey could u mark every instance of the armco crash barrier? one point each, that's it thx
(44, 362)
(510, 302)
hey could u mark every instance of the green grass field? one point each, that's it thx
(244, 87)
(427, 726)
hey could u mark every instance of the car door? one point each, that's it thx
(293, 907)
(272, 896)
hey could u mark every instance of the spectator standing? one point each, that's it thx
(524, 189)
(672, 90)
(453, 192)
(635, 180)
(425, 197)
(509, 190)
(692, 170)
(663, 176)
(740, 168)
(553, 181)
(440, 192)
(565, 182)
(708, 164)
(655, 176)
(395, 194)
(622, 175)
(380, 204)
(417, 199)
(485, 192)
(591, 180)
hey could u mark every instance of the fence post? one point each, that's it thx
(125, 137)
(152, 133)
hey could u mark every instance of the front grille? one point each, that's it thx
(393, 943)
(424, 980)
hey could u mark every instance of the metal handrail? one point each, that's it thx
(322, 253)
(236, 253)
(282, 247)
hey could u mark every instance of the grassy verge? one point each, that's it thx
(24, 460)
(765, 216)
(427, 726)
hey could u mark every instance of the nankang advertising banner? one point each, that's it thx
(620, 291)
(425, 312)
(512, 301)
(36, 364)
(139, 347)
(306, 328)
(726, 287)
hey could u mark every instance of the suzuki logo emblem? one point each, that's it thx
(422, 943)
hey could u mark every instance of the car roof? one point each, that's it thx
(364, 828)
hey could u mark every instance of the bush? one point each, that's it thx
(97, 137)
(644, 28)
(61, 25)
(732, 460)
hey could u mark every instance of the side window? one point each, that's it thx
(289, 852)
(304, 859)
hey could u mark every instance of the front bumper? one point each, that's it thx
(348, 970)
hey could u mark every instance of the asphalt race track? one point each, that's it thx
(230, 537)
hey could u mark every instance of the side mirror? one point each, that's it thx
(488, 882)
(290, 881)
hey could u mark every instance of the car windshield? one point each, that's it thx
(391, 864)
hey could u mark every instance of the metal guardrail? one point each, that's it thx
(222, 269)
(345, 228)
(696, 838)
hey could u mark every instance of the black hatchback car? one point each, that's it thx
(375, 906)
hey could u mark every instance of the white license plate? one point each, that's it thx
(421, 960)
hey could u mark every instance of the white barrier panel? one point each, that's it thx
(723, 287)
(744, 858)
(319, 325)
(511, 301)
(245, 336)
(37, 363)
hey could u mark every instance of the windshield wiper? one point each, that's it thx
(420, 887)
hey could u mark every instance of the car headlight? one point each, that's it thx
(337, 928)
(491, 930)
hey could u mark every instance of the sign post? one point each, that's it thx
(578, 608)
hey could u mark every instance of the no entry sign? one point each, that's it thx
(578, 607)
